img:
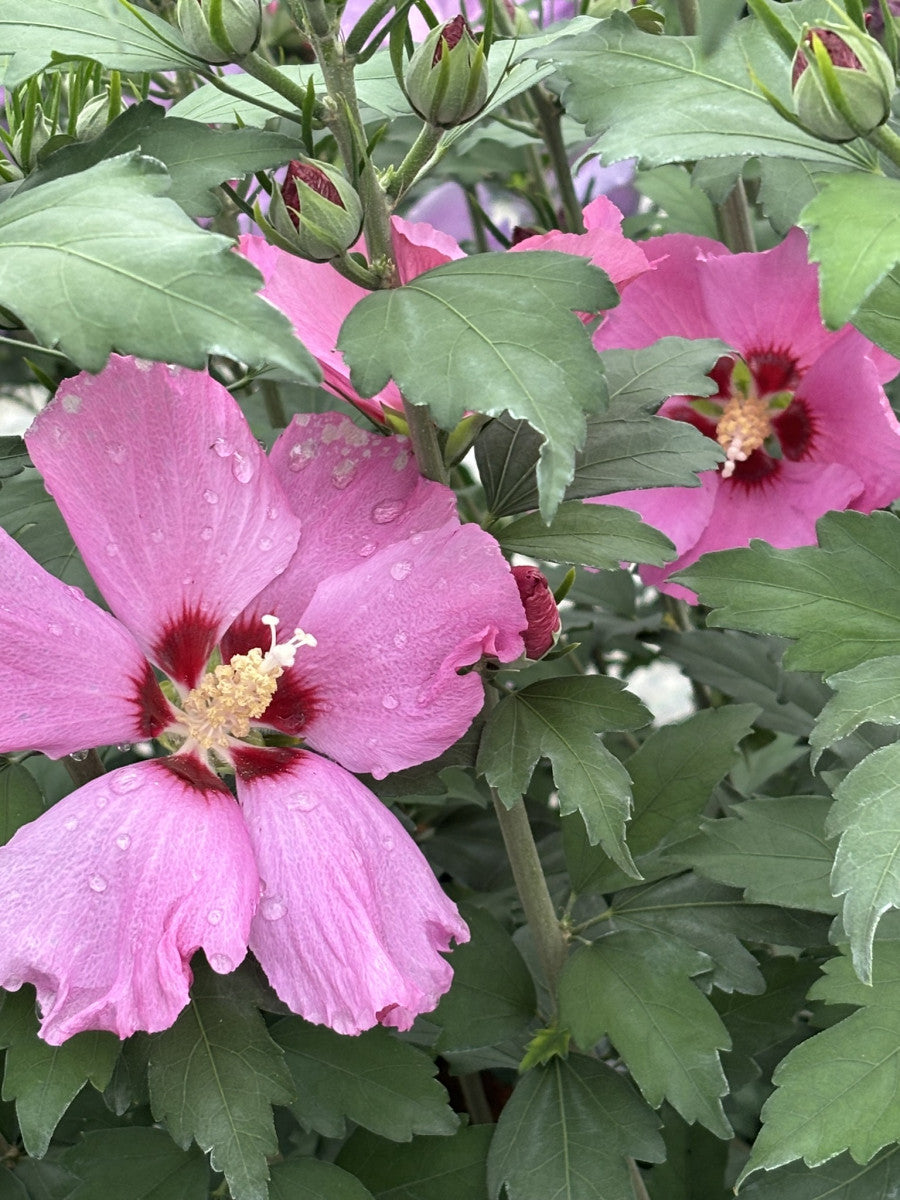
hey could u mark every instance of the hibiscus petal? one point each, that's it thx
(316, 300)
(419, 247)
(170, 500)
(105, 898)
(392, 634)
(352, 922)
(853, 422)
(603, 244)
(362, 492)
(73, 677)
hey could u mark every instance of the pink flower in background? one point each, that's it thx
(317, 299)
(800, 411)
(330, 575)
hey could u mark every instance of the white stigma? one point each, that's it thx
(281, 655)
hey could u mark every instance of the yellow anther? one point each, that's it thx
(742, 428)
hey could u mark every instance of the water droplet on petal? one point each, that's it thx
(112, 549)
(214, 916)
(75, 592)
(386, 511)
(55, 630)
(123, 841)
(206, 533)
(221, 964)
(79, 755)
(211, 497)
(273, 908)
(343, 473)
(388, 842)
(400, 570)
(70, 823)
(125, 781)
(303, 801)
(400, 638)
(389, 702)
(272, 513)
(265, 543)
(367, 549)
(223, 448)
(401, 461)
(156, 535)
(123, 747)
(102, 801)
(71, 403)
(97, 883)
(241, 468)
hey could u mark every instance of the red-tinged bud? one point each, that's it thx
(843, 82)
(540, 610)
(446, 80)
(317, 214)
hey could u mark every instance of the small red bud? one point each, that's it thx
(540, 610)
(313, 177)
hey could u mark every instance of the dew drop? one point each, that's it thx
(102, 801)
(71, 403)
(79, 755)
(112, 549)
(116, 452)
(400, 570)
(343, 474)
(273, 908)
(388, 842)
(123, 747)
(241, 468)
(125, 781)
(401, 461)
(206, 533)
(214, 916)
(400, 638)
(55, 630)
(265, 543)
(304, 802)
(211, 497)
(123, 841)
(75, 592)
(70, 823)
(223, 448)
(389, 702)
(387, 511)
(272, 513)
(302, 419)
(156, 535)
(367, 549)
(97, 883)
(221, 964)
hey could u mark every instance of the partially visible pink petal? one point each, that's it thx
(392, 635)
(669, 301)
(73, 677)
(768, 301)
(170, 500)
(360, 493)
(853, 422)
(105, 898)
(603, 244)
(418, 247)
(352, 922)
(316, 300)
(681, 513)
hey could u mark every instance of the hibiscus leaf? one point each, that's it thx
(595, 535)
(117, 35)
(214, 1076)
(868, 692)
(197, 158)
(854, 236)
(107, 243)
(672, 366)
(428, 1168)
(867, 863)
(20, 799)
(30, 515)
(496, 333)
(492, 997)
(879, 315)
(312, 1179)
(136, 1164)
(566, 1127)
(44, 1080)
(636, 989)
(837, 1091)
(561, 719)
(838, 1179)
(840, 599)
(13, 457)
(776, 849)
(660, 100)
(373, 1080)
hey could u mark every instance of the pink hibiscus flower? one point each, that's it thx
(800, 411)
(344, 596)
(317, 299)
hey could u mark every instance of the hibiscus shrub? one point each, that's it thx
(448, 608)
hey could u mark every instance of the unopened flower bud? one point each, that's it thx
(446, 80)
(540, 610)
(30, 139)
(93, 118)
(843, 83)
(317, 211)
(220, 31)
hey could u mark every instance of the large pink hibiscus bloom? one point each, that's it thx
(197, 540)
(800, 411)
(317, 299)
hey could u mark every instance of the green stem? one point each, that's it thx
(274, 406)
(888, 142)
(421, 151)
(260, 68)
(550, 117)
(83, 770)
(735, 222)
(218, 82)
(424, 438)
(540, 913)
(475, 1100)
(33, 348)
(688, 11)
(637, 1182)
